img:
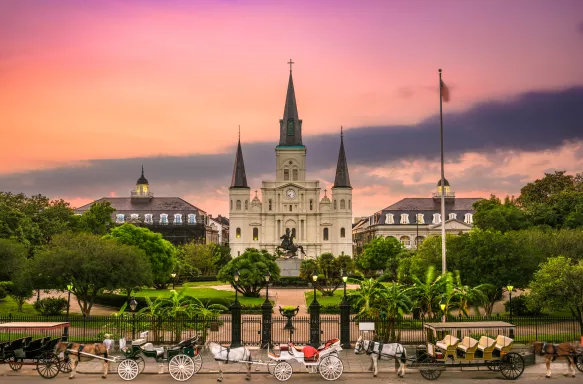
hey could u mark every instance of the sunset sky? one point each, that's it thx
(93, 89)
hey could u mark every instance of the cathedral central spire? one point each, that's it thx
(290, 127)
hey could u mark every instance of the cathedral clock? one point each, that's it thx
(291, 194)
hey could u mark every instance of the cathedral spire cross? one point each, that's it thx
(290, 62)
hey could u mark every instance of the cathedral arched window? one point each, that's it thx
(290, 127)
(325, 233)
(246, 205)
(238, 233)
(238, 205)
(255, 234)
(342, 204)
(290, 207)
(295, 174)
(311, 204)
(286, 174)
(335, 206)
(342, 232)
(270, 205)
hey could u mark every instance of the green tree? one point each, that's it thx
(160, 252)
(378, 254)
(92, 264)
(22, 286)
(494, 215)
(558, 284)
(466, 296)
(252, 265)
(369, 298)
(397, 303)
(203, 257)
(542, 190)
(12, 257)
(329, 269)
(98, 219)
(428, 292)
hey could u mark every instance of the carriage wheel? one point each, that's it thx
(493, 365)
(579, 362)
(512, 366)
(65, 365)
(128, 369)
(47, 365)
(331, 367)
(141, 363)
(181, 367)
(197, 359)
(432, 370)
(14, 364)
(282, 371)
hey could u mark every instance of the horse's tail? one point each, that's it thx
(403, 355)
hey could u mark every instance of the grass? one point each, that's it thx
(203, 284)
(202, 294)
(326, 300)
(8, 305)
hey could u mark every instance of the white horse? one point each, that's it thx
(392, 350)
(224, 354)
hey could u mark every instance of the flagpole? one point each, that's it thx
(443, 259)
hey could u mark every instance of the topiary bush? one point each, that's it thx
(51, 306)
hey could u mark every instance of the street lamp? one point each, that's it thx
(314, 279)
(315, 316)
(69, 288)
(442, 305)
(345, 316)
(133, 305)
(236, 278)
(235, 315)
(510, 288)
(266, 310)
(267, 276)
(173, 279)
(344, 280)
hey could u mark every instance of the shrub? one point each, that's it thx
(3, 293)
(291, 282)
(51, 306)
(7, 286)
(520, 306)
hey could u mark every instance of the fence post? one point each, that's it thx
(266, 317)
(345, 323)
(235, 324)
(315, 331)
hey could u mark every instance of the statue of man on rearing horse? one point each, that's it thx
(288, 246)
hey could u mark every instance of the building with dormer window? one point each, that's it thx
(290, 202)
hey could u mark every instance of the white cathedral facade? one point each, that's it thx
(290, 203)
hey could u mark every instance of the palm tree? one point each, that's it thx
(397, 303)
(428, 293)
(369, 297)
(465, 295)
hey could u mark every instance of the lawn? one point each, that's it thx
(326, 300)
(203, 294)
(203, 284)
(8, 305)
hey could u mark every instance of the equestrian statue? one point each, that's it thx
(288, 246)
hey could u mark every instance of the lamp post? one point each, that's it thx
(173, 279)
(442, 305)
(315, 316)
(345, 316)
(266, 313)
(510, 288)
(66, 331)
(133, 305)
(236, 315)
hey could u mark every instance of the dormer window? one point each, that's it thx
(404, 218)
(192, 219)
(290, 127)
(469, 218)
(452, 216)
(163, 219)
(134, 216)
(390, 218)
(420, 218)
(436, 218)
(119, 218)
(148, 218)
(177, 219)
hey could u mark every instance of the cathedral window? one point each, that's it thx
(163, 218)
(177, 219)
(342, 232)
(255, 234)
(468, 218)
(406, 241)
(192, 218)
(311, 204)
(286, 174)
(436, 218)
(295, 173)
(342, 204)
(238, 233)
(390, 218)
(119, 218)
(246, 205)
(404, 218)
(290, 127)
(420, 218)
(335, 206)
(238, 205)
(148, 218)
(270, 205)
(453, 216)
(325, 234)
(290, 207)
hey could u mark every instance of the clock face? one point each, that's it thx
(291, 194)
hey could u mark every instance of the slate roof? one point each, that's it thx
(154, 205)
(430, 204)
(290, 111)
(142, 179)
(342, 178)
(239, 179)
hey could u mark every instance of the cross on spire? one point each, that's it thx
(290, 62)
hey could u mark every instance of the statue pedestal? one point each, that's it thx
(289, 267)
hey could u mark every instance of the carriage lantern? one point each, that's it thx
(133, 304)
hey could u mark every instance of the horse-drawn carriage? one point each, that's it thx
(39, 351)
(184, 359)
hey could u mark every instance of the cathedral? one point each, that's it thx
(291, 206)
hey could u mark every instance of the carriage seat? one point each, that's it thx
(448, 341)
(468, 344)
(149, 347)
(486, 343)
(329, 344)
(503, 343)
(299, 349)
(139, 342)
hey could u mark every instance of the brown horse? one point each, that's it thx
(96, 349)
(551, 352)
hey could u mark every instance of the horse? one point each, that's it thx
(373, 348)
(224, 354)
(551, 352)
(96, 349)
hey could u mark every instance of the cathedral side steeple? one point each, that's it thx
(342, 179)
(239, 179)
(290, 127)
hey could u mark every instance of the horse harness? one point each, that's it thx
(555, 352)
(80, 349)
(370, 350)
